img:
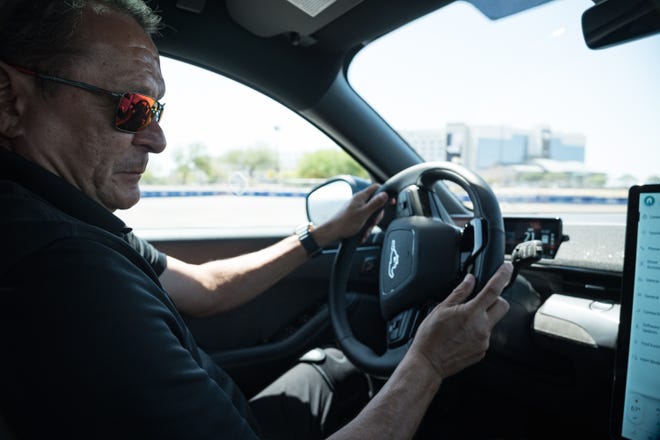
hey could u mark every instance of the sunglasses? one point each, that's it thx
(134, 111)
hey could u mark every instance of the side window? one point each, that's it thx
(235, 159)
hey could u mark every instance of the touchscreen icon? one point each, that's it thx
(635, 408)
(649, 200)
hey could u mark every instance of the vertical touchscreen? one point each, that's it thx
(641, 409)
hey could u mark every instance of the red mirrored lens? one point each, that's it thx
(136, 111)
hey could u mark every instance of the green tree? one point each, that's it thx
(597, 180)
(151, 178)
(193, 163)
(626, 181)
(530, 177)
(322, 164)
(252, 159)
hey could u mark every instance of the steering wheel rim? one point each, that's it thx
(485, 206)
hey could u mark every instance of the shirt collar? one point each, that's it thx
(58, 192)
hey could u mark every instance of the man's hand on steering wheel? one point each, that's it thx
(351, 219)
(423, 255)
(455, 334)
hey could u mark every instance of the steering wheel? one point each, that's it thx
(424, 256)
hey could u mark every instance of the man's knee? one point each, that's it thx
(351, 389)
(339, 373)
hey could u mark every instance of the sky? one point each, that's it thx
(526, 70)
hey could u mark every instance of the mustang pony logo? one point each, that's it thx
(394, 260)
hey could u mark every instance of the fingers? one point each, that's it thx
(489, 295)
(365, 196)
(371, 206)
(491, 291)
(462, 291)
(377, 218)
(368, 191)
(376, 202)
(497, 311)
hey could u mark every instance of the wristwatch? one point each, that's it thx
(304, 235)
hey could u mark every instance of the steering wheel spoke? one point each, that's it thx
(473, 241)
(414, 200)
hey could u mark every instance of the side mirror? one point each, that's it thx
(326, 199)
(612, 22)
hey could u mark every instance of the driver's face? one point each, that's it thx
(71, 132)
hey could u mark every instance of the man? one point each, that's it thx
(94, 345)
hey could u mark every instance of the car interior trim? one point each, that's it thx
(582, 320)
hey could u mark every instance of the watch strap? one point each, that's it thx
(307, 240)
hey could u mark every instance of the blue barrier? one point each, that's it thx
(578, 200)
(549, 199)
(207, 193)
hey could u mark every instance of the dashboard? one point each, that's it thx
(546, 229)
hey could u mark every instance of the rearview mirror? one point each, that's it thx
(613, 22)
(326, 199)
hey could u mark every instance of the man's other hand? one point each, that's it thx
(352, 217)
(456, 333)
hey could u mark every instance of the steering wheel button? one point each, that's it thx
(369, 266)
(394, 329)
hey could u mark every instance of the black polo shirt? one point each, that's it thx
(91, 345)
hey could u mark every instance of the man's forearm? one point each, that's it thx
(206, 289)
(398, 408)
(216, 286)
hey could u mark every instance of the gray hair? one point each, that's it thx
(40, 34)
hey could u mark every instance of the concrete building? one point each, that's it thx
(430, 144)
(504, 153)
(483, 147)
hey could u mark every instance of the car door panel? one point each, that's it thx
(535, 373)
(269, 333)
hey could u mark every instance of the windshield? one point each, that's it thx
(555, 128)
